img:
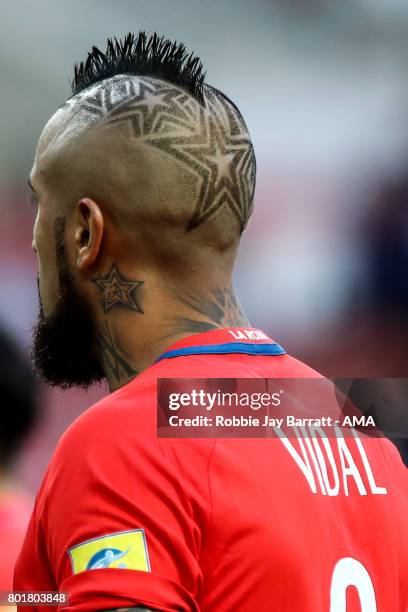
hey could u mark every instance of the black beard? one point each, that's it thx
(63, 342)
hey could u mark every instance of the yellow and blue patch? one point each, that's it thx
(122, 550)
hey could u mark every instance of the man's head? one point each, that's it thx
(145, 168)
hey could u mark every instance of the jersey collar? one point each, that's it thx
(243, 340)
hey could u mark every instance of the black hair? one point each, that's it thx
(18, 392)
(153, 56)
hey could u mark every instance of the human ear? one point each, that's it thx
(88, 233)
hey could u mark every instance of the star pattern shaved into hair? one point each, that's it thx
(153, 87)
(220, 161)
(211, 142)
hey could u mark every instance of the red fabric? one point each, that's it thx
(121, 588)
(230, 524)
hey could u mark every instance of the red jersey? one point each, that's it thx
(126, 518)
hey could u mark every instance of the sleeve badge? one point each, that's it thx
(122, 550)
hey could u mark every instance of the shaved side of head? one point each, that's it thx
(159, 155)
(208, 141)
(151, 174)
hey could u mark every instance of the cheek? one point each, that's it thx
(44, 241)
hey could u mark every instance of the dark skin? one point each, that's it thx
(150, 232)
(148, 281)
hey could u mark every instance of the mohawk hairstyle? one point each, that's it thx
(139, 55)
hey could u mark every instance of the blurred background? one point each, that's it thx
(323, 87)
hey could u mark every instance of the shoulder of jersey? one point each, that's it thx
(135, 402)
(127, 402)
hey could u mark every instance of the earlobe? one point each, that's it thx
(89, 233)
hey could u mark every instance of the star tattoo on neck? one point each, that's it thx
(118, 291)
